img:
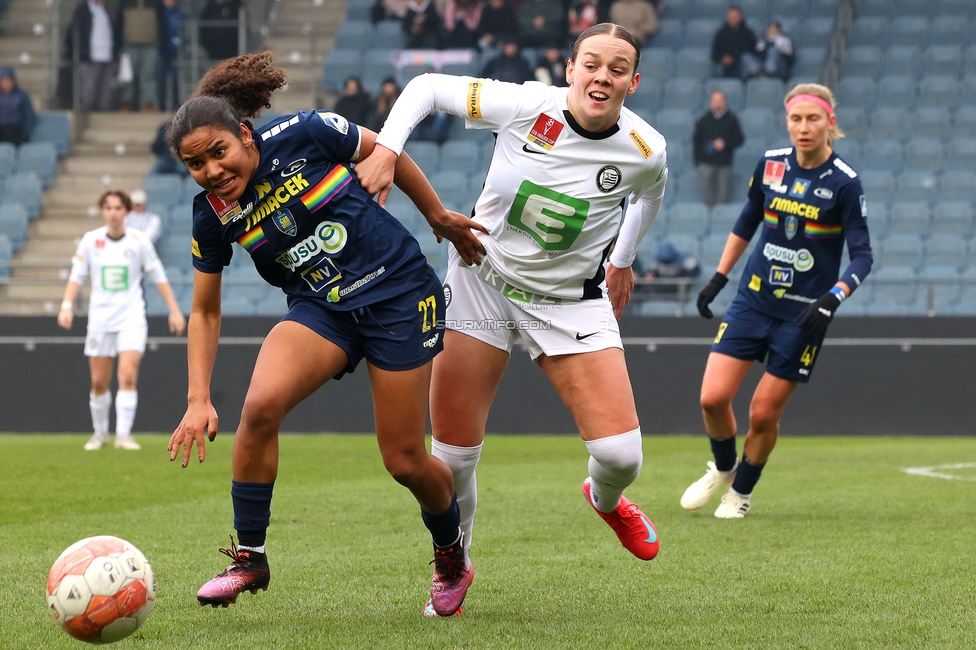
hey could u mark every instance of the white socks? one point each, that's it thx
(100, 405)
(462, 461)
(615, 463)
(125, 411)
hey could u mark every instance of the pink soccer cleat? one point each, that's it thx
(453, 574)
(248, 572)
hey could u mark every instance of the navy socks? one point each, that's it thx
(445, 528)
(724, 453)
(252, 511)
(747, 476)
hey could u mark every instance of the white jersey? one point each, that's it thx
(554, 194)
(116, 268)
(145, 221)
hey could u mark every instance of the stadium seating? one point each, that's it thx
(163, 189)
(24, 188)
(8, 159)
(55, 128)
(13, 224)
(41, 158)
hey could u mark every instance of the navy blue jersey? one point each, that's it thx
(308, 225)
(806, 215)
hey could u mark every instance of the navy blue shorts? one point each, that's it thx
(399, 333)
(749, 335)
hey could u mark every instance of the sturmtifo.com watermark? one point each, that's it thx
(492, 324)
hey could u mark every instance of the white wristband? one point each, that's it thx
(67, 304)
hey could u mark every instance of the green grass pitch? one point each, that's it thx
(843, 549)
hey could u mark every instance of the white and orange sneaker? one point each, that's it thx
(701, 491)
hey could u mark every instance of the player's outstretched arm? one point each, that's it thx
(200, 420)
(445, 224)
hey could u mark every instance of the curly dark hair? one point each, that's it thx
(228, 95)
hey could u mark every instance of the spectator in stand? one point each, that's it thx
(717, 135)
(142, 218)
(639, 17)
(98, 43)
(220, 40)
(462, 20)
(734, 47)
(17, 118)
(509, 65)
(143, 27)
(497, 19)
(166, 163)
(550, 69)
(776, 52)
(388, 10)
(671, 264)
(542, 23)
(169, 47)
(355, 104)
(389, 91)
(583, 14)
(421, 24)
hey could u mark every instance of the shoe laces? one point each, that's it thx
(630, 511)
(449, 562)
(240, 558)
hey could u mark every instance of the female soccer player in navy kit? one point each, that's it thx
(357, 286)
(808, 203)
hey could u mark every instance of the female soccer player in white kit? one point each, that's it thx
(565, 162)
(116, 259)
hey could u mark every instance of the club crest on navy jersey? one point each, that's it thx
(792, 225)
(285, 222)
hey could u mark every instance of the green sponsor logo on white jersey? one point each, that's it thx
(552, 219)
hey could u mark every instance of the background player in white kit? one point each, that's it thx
(565, 161)
(116, 259)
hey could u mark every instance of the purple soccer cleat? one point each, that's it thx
(453, 574)
(249, 571)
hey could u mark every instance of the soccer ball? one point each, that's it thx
(101, 589)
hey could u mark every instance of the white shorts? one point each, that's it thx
(545, 325)
(109, 344)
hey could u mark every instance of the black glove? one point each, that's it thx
(813, 320)
(707, 295)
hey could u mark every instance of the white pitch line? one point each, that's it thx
(932, 473)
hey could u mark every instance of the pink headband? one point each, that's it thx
(810, 98)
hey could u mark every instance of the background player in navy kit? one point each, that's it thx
(357, 286)
(808, 202)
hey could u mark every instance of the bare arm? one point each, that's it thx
(66, 316)
(408, 177)
(176, 320)
(203, 335)
(734, 248)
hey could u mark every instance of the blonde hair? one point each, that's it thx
(824, 93)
